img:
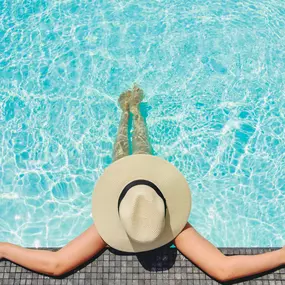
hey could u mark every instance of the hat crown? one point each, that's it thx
(142, 214)
(108, 194)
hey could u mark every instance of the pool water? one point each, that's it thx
(213, 78)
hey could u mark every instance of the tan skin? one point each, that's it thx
(189, 242)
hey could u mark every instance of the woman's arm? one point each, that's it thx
(224, 268)
(76, 252)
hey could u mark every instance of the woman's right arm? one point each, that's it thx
(76, 252)
(224, 268)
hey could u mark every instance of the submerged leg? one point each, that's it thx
(140, 142)
(121, 146)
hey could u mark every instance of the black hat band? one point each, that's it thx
(141, 182)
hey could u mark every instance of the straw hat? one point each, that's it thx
(141, 202)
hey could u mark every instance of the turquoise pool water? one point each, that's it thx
(213, 77)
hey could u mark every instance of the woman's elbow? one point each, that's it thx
(58, 268)
(224, 274)
(57, 271)
(61, 268)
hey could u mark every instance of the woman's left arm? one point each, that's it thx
(56, 263)
(224, 268)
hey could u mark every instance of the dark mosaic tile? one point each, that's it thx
(164, 267)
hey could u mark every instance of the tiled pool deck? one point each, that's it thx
(165, 266)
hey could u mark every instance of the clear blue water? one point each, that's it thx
(213, 77)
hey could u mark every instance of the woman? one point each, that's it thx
(188, 241)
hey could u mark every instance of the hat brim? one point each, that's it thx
(116, 176)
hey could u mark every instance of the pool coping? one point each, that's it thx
(162, 266)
